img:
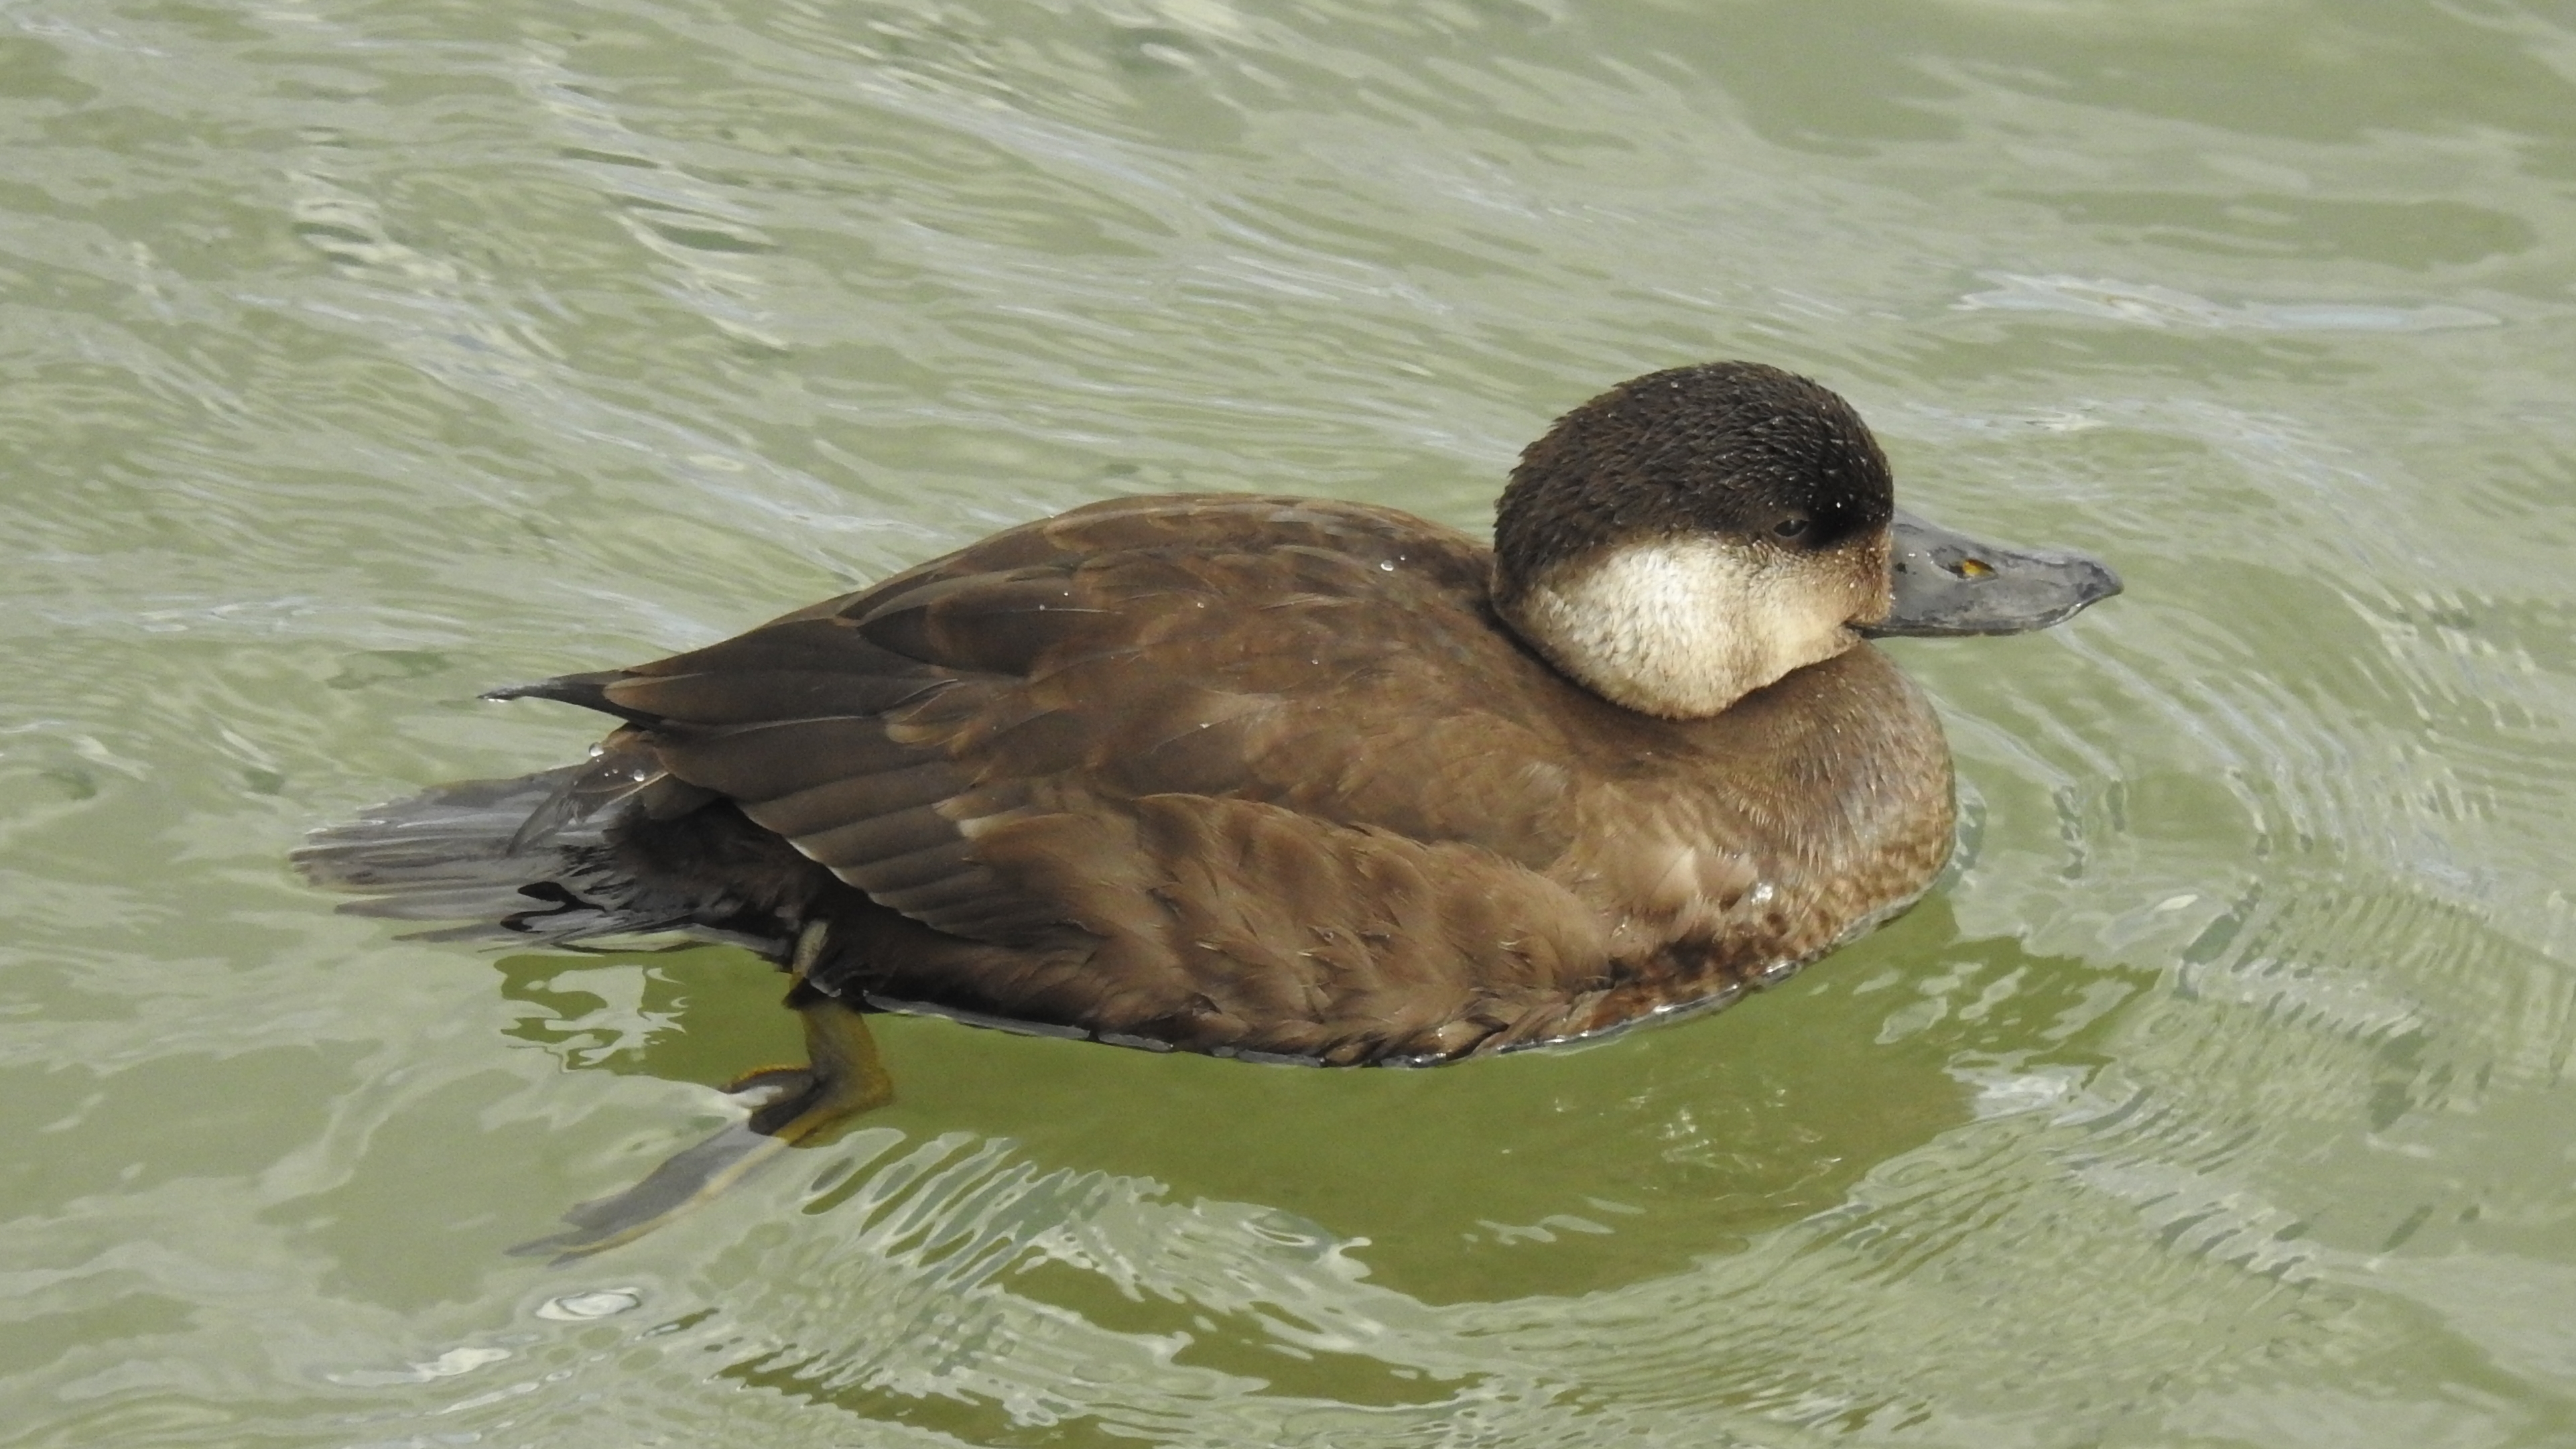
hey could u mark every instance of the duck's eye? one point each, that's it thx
(1794, 526)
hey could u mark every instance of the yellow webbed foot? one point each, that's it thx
(844, 1079)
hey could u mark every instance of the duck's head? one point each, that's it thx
(1693, 535)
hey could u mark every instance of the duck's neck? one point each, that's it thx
(1684, 627)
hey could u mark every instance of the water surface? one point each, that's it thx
(361, 355)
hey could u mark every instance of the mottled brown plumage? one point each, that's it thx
(1260, 776)
(1253, 775)
(1263, 774)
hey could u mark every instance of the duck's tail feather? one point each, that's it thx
(463, 853)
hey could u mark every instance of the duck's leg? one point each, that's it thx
(843, 1075)
(842, 1078)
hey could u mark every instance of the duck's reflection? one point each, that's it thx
(1547, 1172)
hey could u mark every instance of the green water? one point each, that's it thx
(360, 355)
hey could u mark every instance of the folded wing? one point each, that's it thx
(916, 737)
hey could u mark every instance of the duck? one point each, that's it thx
(1276, 778)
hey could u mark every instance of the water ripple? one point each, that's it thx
(364, 355)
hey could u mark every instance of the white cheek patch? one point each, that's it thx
(1685, 627)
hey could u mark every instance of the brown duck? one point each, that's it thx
(1279, 778)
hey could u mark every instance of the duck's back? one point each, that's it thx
(1253, 775)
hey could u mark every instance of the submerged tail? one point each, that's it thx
(504, 857)
(615, 848)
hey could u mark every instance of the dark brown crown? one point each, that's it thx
(1733, 448)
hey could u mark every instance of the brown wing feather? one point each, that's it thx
(1220, 647)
